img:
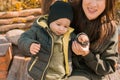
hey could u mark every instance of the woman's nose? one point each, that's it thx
(93, 3)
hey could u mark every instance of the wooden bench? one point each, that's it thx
(18, 70)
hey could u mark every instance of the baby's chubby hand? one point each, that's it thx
(81, 44)
(83, 40)
(35, 48)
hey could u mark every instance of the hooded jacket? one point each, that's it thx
(38, 33)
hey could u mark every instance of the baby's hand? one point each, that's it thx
(82, 39)
(81, 44)
(35, 48)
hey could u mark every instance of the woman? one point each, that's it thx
(99, 57)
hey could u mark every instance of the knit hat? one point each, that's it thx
(59, 10)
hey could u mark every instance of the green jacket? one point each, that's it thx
(38, 33)
(101, 62)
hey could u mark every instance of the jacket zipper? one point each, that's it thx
(50, 56)
(33, 63)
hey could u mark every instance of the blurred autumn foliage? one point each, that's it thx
(15, 5)
(118, 5)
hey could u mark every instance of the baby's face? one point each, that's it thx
(60, 26)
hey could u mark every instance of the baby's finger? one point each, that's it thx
(36, 48)
(33, 52)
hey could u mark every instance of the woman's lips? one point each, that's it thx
(91, 10)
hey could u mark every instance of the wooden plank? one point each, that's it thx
(18, 70)
(5, 59)
(3, 75)
(4, 48)
(22, 13)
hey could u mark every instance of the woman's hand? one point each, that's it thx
(35, 48)
(79, 50)
(81, 45)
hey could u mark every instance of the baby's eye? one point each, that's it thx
(66, 26)
(58, 24)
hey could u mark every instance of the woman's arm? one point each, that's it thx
(105, 62)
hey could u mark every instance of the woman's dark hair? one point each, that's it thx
(100, 29)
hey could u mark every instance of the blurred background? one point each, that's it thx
(15, 5)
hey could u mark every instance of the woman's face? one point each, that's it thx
(93, 8)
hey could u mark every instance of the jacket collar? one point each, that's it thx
(42, 21)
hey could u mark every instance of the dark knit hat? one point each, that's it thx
(59, 10)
